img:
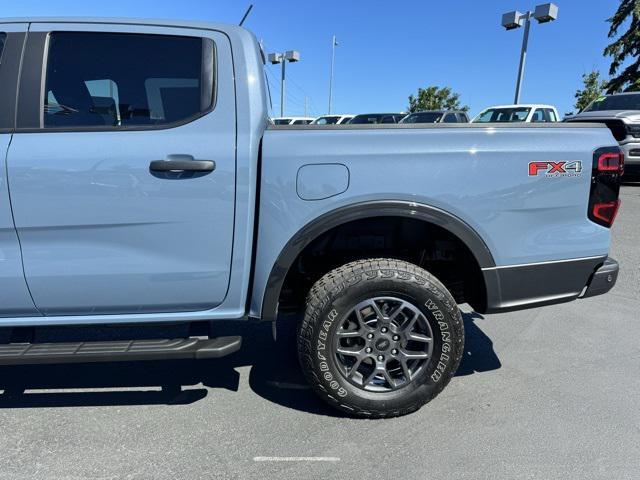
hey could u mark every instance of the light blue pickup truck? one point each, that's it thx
(142, 183)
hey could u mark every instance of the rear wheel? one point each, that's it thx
(380, 338)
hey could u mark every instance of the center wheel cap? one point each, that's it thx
(382, 344)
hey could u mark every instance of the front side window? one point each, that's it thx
(126, 80)
(538, 116)
(450, 118)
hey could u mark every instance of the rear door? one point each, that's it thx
(122, 168)
(14, 296)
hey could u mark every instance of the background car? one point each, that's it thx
(332, 120)
(621, 113)
(436, 116)
(365, 118)
(292, 120)
(528, 113)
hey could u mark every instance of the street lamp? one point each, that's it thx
(334, 44)
(544, 13)
(283, 58)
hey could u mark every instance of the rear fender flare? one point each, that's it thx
(358, 211)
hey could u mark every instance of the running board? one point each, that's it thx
(118, 351)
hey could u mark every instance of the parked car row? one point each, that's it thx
(498, 114)
(620, 112)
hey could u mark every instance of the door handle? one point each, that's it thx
(182, 163)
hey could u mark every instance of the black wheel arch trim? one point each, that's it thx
(359, 211)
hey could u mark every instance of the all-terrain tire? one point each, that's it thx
(334, 297)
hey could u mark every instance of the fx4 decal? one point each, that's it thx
(555, 169)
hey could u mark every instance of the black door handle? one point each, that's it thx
(182, 163)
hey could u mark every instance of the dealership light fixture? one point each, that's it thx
(283, 58)
(544, 13)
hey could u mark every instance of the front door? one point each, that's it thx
(122, 171)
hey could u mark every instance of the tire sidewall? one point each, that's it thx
(429, 296)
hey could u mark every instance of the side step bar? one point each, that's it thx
(117, 351)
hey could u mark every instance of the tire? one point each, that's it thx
(364, 346)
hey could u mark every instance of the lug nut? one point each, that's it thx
(394, 351)
(370, 335)
(396, 337)
(380, 358)
(368, 349)
(383, 329)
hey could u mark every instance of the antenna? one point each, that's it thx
(246, 14)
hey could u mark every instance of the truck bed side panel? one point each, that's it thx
(480, 175)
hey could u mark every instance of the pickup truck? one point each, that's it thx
(621, 114)
(144, 185)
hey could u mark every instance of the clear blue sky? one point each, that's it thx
(387, 49)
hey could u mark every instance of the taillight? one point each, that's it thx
(608, 167)
(606, 211)
(610, 161)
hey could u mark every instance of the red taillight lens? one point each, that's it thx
(606, 211)
(607, 170)
(611, 162)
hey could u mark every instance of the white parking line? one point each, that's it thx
(296, 459)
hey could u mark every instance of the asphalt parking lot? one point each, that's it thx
(546, 394)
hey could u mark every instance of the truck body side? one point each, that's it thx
(472, 176)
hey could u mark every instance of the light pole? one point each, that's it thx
(283, 58)
(544, 13)
(334, 43)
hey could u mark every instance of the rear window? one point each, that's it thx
(282, 121)
(123, 80)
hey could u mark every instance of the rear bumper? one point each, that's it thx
(519, 287)
(603, 279)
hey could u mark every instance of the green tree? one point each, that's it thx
(626, 46)
(435, 98)
(593, 88)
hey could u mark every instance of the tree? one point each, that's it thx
(626, 46)
(435, 98)
(593, 88)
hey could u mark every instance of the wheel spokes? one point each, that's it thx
(383, 343)
(419, 337)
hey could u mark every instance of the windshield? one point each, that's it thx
(510, 114)
(615, 102)
(328, 120)
(422, 117)
(282, 121)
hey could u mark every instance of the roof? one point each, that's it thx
(126, 21)
(522, 105)
(438, 111)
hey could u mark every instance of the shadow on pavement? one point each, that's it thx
(274, 374)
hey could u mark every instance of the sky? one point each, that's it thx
(387, 49)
